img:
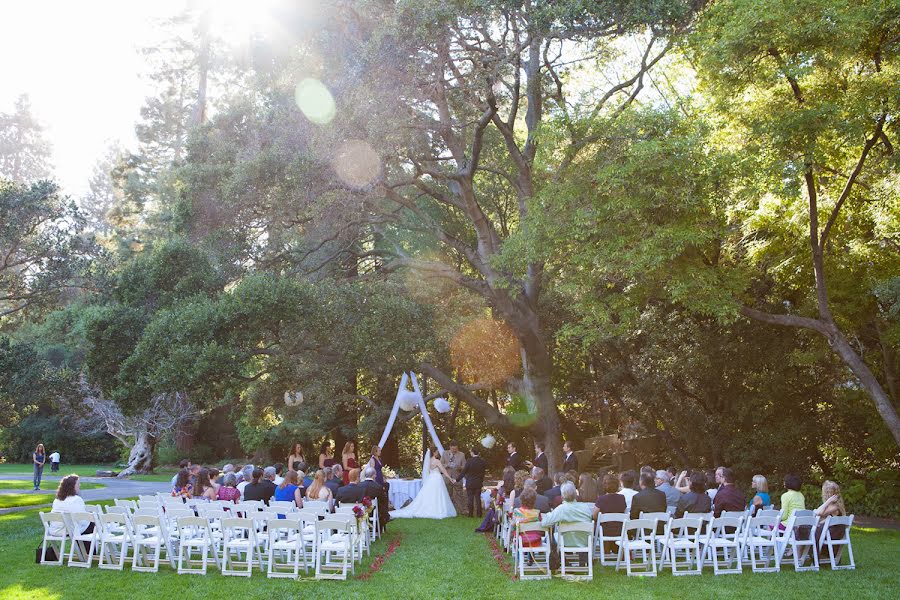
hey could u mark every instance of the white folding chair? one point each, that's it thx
(533, 562)
(334, 551)
(283, 506)
(315, 505)
(374, 522)
(602, 539)
(683, 535)
(79, 540)
(768, 512)
(55, 535)
(576, 553)
(150, 534)
(285, 548)
(761, 541)
(194, 536)
(831, 542)
(147, 498)
(638, 537)
(131, 505)
(115, 539)
(725, 536)
(239, 546)
(801, 546)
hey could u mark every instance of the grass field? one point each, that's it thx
(64, 469)
(436, 559)
(31, 498)
(22, 484)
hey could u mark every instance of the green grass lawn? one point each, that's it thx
(22, 484)
(436, 559)
(64, 469)
(158, 475)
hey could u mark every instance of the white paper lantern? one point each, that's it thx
(441, 405)
(293, 398)
(409, 400)
(488, 441)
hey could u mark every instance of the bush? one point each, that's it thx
(17, 444)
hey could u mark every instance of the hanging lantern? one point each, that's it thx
(409, 400)
(488, 441)
(293, 398)
(441, 405)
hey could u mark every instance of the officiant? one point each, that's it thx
(454, 461)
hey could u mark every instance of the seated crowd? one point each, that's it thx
(650, 491)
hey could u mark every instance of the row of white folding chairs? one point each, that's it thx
(299, 538)
(533, 561)
(704, 538)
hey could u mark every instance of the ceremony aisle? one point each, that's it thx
(434, 559)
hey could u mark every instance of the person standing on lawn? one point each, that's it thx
(54, 461)
(39, 458)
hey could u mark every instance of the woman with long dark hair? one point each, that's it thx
(39, 458)
(204, 488)
(68, 500)
(183, 487)
(296, 459)
(326, 455)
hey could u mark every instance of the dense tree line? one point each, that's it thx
(674, 218)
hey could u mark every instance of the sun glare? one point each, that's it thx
(239, 20)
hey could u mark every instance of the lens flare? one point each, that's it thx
(486, 351)
(316, 102)
(356, 163)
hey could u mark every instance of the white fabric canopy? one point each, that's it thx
(422, 408)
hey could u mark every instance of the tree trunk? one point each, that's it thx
(868, 380)
(140, 460)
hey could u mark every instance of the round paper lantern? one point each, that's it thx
(488, 441)
(409, 400)
(441, 405)
(293, 398)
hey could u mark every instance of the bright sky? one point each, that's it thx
(79, 63)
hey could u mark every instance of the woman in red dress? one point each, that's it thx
(348, 459)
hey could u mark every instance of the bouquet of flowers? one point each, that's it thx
(388, 472)
(359, 512)
(367, 503)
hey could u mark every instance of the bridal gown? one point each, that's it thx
(432, 501)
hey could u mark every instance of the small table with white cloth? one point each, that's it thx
(402, 490)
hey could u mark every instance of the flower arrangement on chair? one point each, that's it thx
(363, 510)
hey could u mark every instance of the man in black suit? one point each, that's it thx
(473, 471)
(543, 482)
(373, 489)
(571, 461)
(515, 459)
(554, 493)
(648, 500)
(540, 459)
(352, 492)
(336, 480)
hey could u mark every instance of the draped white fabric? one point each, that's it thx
(423, 408)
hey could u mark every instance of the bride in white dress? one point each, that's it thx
(433, 500)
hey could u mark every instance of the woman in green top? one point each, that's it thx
(792, 499)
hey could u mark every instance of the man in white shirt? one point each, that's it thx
(54, 461)
(627, 481)
(247, 473)
(279, 469)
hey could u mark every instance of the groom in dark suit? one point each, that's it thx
(474, 474)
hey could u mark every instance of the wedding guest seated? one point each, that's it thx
(228, 490)
(729, 497)
(610, 501)
(626, 478)
(68, 499)
(373, 489)
(182, 464)
(712, 477)
(195, 472)
(279, 474)
(570, 511)
(318, 490)
(269, 479)
(695, 500)
(229, 468)
(183, 487)
(761, 498)
(587, 488)
(542, 504)
(832, 506)
(336, 480)
(509, 481)
(792, 499)
(204, 488)
(663, 485)
(256, 489)
(289, 491)
(301, 481)
(649, 499)
(543, 482)
(214, 478)
(554, 494)
(351, 492)
(519, 484)
(245, 478)
(526, 512)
